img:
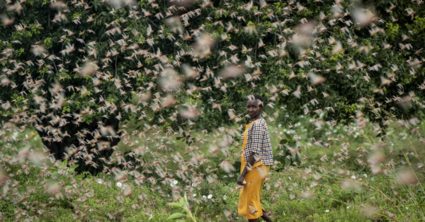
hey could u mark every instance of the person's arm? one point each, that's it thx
(250, 162)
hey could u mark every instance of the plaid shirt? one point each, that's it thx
(259, 143)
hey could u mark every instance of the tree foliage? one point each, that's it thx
(75, 69)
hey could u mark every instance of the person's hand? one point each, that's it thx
(241, 181)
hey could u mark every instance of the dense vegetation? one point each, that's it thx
(149, 95)
(73, 68)
(350, 175)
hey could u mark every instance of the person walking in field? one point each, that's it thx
(256, 159)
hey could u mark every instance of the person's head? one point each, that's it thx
(254, 106)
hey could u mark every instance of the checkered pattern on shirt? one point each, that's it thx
(259, 143)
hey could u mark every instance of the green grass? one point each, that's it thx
(333, 183)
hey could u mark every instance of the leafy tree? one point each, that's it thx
(77, 69)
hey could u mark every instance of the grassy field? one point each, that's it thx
(346, 174)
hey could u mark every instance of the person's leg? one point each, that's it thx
(250, 206)
(266, 216)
